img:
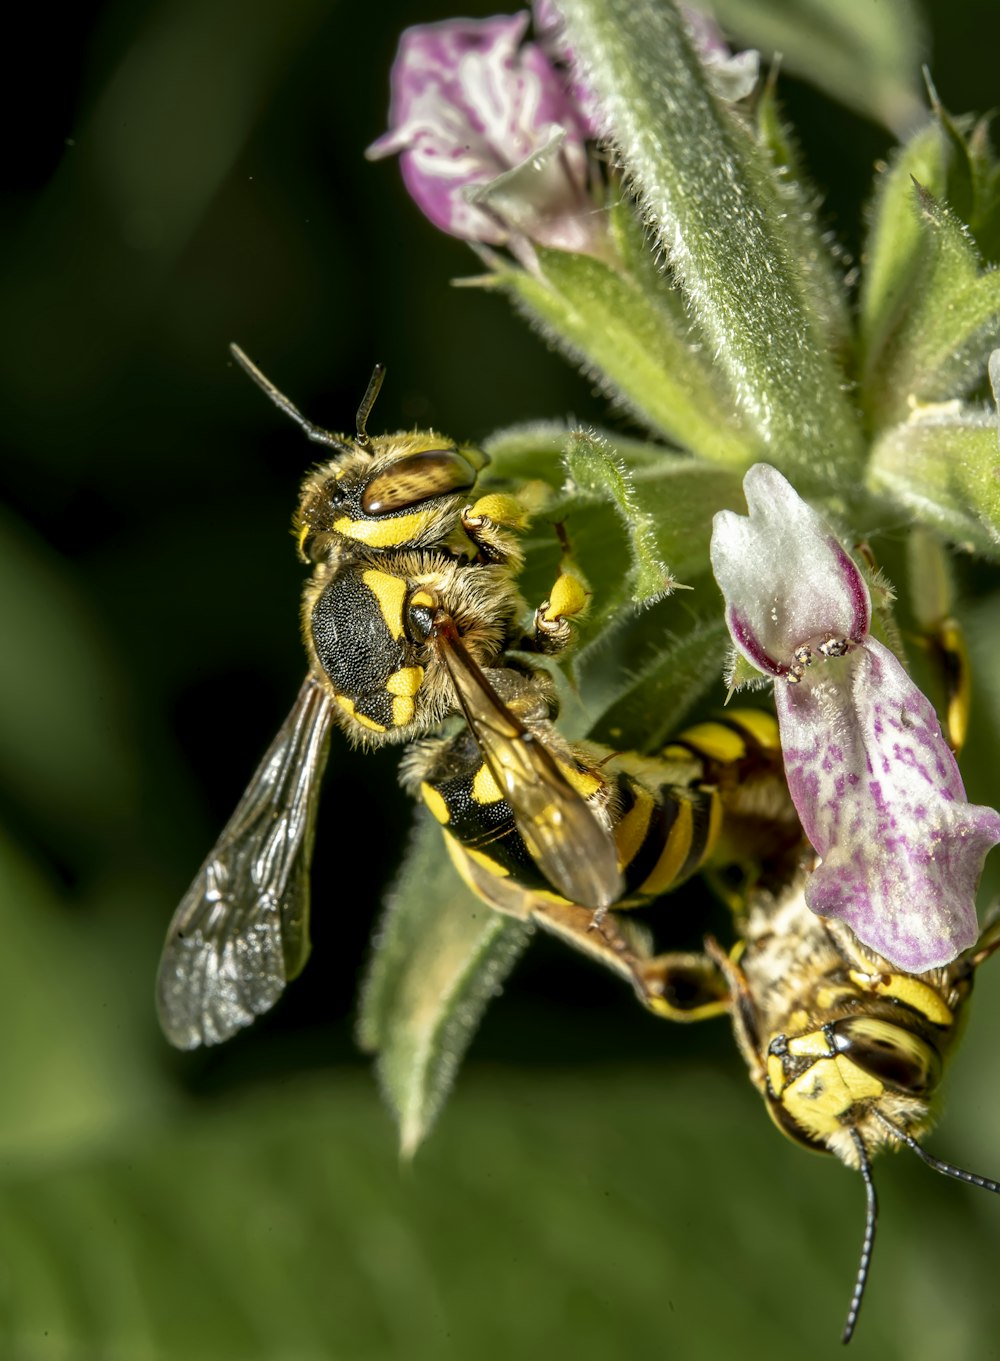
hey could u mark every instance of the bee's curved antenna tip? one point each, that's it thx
(868, 1242)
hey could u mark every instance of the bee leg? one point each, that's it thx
(951, 656)
(683, 987)
(492, 524)
(940, 634)
(743, 1009)
(552, 626)
(679, 987)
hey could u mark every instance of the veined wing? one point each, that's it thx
(563, 835)
(242, 929)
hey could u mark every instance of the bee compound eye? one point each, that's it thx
(416, 478)
(891, 1053)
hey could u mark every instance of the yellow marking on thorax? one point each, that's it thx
(434, 801)
(388, 532)
(674, 853)
(485, 788)
(406, 681)
(403, 709)
(348, 707)
(390, 593)
(903, 988)
(833, 996)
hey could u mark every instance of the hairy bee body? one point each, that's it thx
(839, 1042)
(408, 618)
(387, 684)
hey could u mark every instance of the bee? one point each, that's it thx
(714, 799)
(847, 1052)
(408, 618)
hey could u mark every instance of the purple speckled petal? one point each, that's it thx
(882, 801)
(786, 578)
(875, 784)
(471, 103)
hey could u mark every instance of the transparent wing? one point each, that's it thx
(242, 929)
(564, 837)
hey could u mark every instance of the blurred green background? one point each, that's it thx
(185, 174)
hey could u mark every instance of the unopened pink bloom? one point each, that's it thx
(492, 145)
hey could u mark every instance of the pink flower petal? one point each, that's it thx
(875, 784)
(474, 106)
(787, 580)
(882, 801)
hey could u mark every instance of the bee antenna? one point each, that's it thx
(938, 1164)
(868, 1243)
(313, 432)
(367, 402)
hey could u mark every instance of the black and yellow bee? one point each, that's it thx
(408, 618)
(412, 617)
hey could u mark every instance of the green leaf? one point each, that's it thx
(987, 224)
(632, 514)
(521, 453)
(822, 272)
(952, 321)
(662, 515)
(957, 339)
(942, 466)
(865, 55)
(440, 957)
(895, 243)
(596, 472)
(709, 195)
(656, 700)
(641, 352)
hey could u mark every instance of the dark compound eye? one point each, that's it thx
(416, 478)
(888, 1052)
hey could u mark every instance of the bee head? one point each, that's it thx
(394, 491)
(390, 491)
(865, 1078)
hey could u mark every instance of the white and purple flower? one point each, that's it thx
(492, 131)
(492, 143)
(875, 784)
